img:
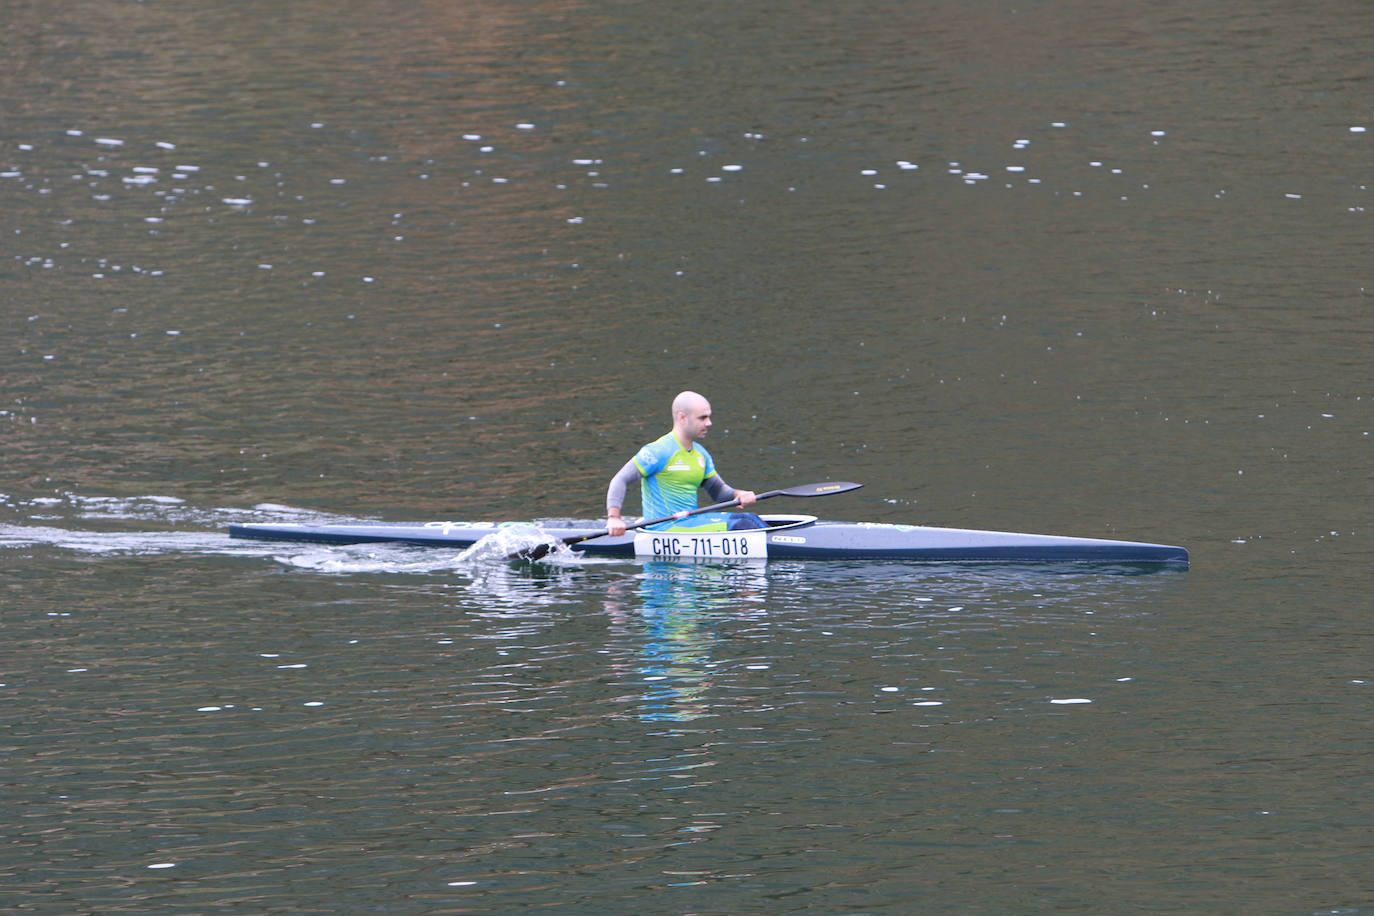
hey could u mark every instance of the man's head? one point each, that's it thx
(691, 417)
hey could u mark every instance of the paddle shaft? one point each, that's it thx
(815, 489)
(669, 518)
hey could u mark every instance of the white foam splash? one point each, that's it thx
(369, 558)
(504, 543)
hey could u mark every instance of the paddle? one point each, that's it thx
(810, 489)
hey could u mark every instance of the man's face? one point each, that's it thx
(697, 421)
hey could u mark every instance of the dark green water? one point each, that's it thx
(1054, 267)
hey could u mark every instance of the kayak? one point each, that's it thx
(791, 537)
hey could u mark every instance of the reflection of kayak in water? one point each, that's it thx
(796, 537)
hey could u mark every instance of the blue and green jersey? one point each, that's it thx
(671, 476)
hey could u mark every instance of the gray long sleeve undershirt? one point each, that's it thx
(715, 486)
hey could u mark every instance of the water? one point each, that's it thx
(1059, 268)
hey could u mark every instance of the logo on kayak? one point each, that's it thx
(450, 527)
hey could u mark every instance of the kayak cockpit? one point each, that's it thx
(780, 522)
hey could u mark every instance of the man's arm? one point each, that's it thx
(615, 496)
(720, 491)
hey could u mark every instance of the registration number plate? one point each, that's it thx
(715, 545)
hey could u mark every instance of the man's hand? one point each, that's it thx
(745, 497)
(615, 525)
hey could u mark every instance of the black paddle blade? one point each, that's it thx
(818, 489)
(537, 552)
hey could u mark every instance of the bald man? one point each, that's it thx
(671, 469)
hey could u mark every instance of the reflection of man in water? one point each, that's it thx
(671, 469)
(669, 613)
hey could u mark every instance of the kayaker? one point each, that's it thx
(671, 469)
